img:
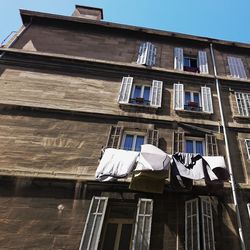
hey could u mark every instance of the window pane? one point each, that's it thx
(110, 235)
(199, 147)
(189, 146)
(193, 63)
(125, 238)
(137, 92)
(197, 98)
(146, 93)
(186, 62)
(187, 97)
(128, 143)
(139, 142)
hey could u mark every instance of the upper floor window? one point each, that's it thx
(133, 141)
(147, 95)
(108, 227)
(197, 64)
(243, 103)
(195, 145)
(236, 67)
(247, 141)
(193, 101)
(147, 54)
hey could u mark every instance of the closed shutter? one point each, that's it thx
(178, 96)
(151, 55)
(178, 142)
(142, 232)
(142, 56)
(115, 136)
(156, 94)
(93, 225)
(125, 90)
(178, 58)
(236, 67)
(202, 60)
(152, 137)
(206, 98)
(207, 224)
(192, 229)
(211, 145)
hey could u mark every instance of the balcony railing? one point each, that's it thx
(193, 106)
(139, 101)
(192, 69)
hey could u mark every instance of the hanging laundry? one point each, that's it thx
(116, 163)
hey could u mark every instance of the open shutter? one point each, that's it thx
(143, 51)
(125, 90)
(141, 240)
(211, 145)
(248, 209)
(151, 55)
(178, 58)
(206, 98)
(192, 230)
(178, 142)
(236, 67)
(93, 225)
(115, 136)
(202, 60)
(152, 137)
(178, 96)
(156, 94)
(207, 224)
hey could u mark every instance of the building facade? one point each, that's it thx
(71, 86)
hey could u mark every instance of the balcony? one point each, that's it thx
(193, 106)
(192, 69)
(139, 101)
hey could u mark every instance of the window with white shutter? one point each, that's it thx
(202, 62)
(114, 139)
(211, 145)
(192, 101)
(153, 137)
(178, 142)
(178, 58)
(248, 209)
(236, 67)
(243, 103)
(199, 230)
(247, 141)
(141, 94)
(93, 226)
(147, 54)
(142, 231)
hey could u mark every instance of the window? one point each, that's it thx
(133, 142)
(131, 139)
(146, 95)
(199, 230)
(236, 67)
(192, 101)
(247, 141)
(243, 103)
(206, 145)
(195, 145)
(122, 229)
(147, 54)
(140, 95)
(195, 64)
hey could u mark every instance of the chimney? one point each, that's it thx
(88, 12)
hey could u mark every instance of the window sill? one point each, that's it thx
(241, 117)
(193, 112)
(138, 105)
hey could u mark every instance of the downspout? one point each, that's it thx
(233, 186)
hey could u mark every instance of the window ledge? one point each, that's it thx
(241, 117)
(193, 112)
(138, 105)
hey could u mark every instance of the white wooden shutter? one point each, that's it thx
(247, 141)
(178, 58)
(236, 67)
(178, 96)
(243, 103)
(142, 56)
(248, 209)
(207, 224)
(142, 231)
(206, 100)
(202, 60)
(153, 137)
(151, 55)
(211, 145)
(125, 90)
(178, 142)
(192, 229)
(156, 94)
(93, 225)
(115, 135)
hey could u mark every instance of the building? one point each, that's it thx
(73, 85)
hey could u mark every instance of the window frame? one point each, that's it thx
(148, 102)
(192, 100)
(195, 139)
(134, 134)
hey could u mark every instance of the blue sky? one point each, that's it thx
(222, 19)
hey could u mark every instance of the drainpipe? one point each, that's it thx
(232, 181)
